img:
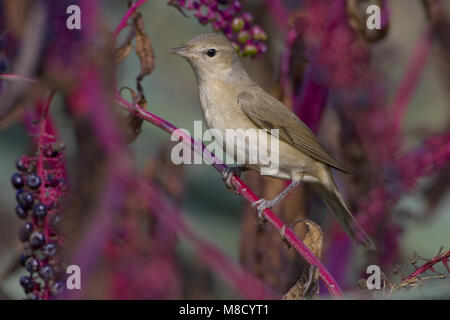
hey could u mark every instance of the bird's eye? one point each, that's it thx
(211, 52)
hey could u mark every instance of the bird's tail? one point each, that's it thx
(334, 201)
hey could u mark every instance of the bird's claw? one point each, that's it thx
(261, 205)
(228, 174)
(283, 236)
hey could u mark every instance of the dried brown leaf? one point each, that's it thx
(132, 125)
(307, 285)
(314, 238)
(122, 52)
(144, 49)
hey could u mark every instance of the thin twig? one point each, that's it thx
(429, 265)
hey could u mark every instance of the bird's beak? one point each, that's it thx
(181, 51)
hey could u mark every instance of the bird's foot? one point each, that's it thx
(311, 287)
(261, 205)
(283, 231)
(228, 174)
(283, 236)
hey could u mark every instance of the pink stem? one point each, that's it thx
(244, 191)
(429, 265)
(41, 171)
(123, 22)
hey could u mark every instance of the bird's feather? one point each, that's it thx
(269, 113)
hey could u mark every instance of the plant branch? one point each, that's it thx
(444, 257)
(241, 188)
(131, 10)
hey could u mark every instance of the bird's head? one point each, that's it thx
(210, 55)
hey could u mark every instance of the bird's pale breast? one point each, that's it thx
(221, 111)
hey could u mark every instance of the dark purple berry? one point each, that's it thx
(32, 296)
(40, 210)
(49, 250)
(20, 165)
(36, 240)
(17, 180)
(27, 283)
(26, 199)
(18, 193)
(32, 264)
(56, 288)
(33, 181)
(46, 272)
(23, 259)
(21, 212)
(24, 281)
(25, 232)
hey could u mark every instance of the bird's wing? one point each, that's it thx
(269, 113)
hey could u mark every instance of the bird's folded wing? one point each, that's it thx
(269, 113)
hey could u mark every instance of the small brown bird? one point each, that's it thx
(231, 100)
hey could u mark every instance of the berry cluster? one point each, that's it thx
(40, 188)
(227, 16)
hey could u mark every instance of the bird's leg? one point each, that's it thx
(263, 204)
(228, 174)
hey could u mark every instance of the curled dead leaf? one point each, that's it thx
(122, 52)
(132, 125)
(314, 238)
(144, 49)
(307, 285)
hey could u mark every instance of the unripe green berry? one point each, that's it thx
(258, 33)
(250, 50)
(243, 36)
(238, 24)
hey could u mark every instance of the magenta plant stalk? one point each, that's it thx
(243, 190)
(131, 10)
(444, 258)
